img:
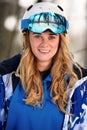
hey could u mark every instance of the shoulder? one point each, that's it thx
(76, 70)
(17, 98)
(80, 87)
(7, 88)
(79, 96)
(80, 93)
(9, 65)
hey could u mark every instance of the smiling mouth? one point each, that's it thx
(44, 51)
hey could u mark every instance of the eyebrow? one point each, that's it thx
(51, 33)
(35, 33)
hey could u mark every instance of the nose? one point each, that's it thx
(45, 42)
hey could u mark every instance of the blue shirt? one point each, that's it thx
(26, 117)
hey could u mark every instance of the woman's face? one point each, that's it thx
(44, 46)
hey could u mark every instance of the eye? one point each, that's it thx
(51, 37)
(37, 36)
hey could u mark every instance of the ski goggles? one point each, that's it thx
(39, 23)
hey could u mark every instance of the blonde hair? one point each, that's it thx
(61, 66)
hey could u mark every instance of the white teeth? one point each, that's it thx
(43, 51)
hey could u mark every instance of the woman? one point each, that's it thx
(42, 98)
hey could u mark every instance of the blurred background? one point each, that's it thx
(11, 12)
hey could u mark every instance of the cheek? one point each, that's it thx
(32, 44)
(55, 49)
(33, 48)
(56, 45)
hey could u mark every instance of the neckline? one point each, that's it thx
(44, 74)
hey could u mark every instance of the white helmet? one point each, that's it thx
(45, 15)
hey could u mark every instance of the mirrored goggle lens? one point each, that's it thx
(41, 27)
(38, 23)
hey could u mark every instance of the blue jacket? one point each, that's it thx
(52, 117)
(45, 116)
